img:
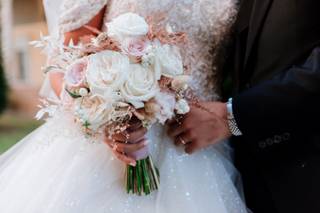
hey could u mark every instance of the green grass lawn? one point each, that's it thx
(13, 128)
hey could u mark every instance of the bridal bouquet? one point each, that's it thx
(132, 70)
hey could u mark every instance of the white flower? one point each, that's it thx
(169, 28)
(182, 107)
(107, 72)
(166, 106)
(140, 86)
(83, 92)
(180, 83)
(168, 61)
(148, 59)
(49, 110)
(127, 25)
(93, 111)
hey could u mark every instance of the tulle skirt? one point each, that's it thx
(56, 169)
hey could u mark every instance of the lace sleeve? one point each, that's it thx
(76, 13)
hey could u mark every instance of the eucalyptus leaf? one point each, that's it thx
(72, 94)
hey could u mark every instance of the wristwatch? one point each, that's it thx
(233, 127)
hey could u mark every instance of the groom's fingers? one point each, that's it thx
(171, 122)
(184, 139)
(175, 130)
(191, 148)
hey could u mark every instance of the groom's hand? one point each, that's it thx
(201, 127)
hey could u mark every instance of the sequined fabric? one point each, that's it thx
(58, 170)
(76, 13)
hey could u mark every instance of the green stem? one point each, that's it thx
(146, 177)
(155, 173)
(130, 178)
(142, 179)
(138, 177)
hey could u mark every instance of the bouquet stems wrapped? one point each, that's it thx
(143, 178)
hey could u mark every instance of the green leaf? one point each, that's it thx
(86, 124)
(72, 94)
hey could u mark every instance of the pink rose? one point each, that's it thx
(75, 73)
(134, 47)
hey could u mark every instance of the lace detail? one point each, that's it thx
(76, 13)
(207, 23)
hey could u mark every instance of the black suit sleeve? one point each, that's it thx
(289, 102)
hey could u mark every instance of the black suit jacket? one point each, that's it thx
(276, 68)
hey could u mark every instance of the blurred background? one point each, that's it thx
(20, 68)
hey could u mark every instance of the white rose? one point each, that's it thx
(107, 72)
(140, 86)
(127, 25)
(182, 107)
(93, 111)
(168, 61)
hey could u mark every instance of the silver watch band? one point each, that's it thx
(234, 129)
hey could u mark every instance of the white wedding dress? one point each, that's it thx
(58, 170)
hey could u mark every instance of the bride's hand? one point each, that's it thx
(122, 146)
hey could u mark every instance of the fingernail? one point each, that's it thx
(133, 164)
(146, 142)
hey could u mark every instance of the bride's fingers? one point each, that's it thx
(124, 158)
(109, 143)
(134, 126)
(133, 137)
(137, 135)
(119, 137)
(130, 148)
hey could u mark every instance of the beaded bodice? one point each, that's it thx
(207, 23)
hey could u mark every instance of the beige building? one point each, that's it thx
(22, 22)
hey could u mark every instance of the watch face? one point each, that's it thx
(229, 110)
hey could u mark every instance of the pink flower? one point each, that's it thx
(75, 73)
(134, 47)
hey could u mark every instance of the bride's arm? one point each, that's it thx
(119, 147)
(95, 22)
(56, 78)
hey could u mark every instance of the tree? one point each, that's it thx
(3, 90)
